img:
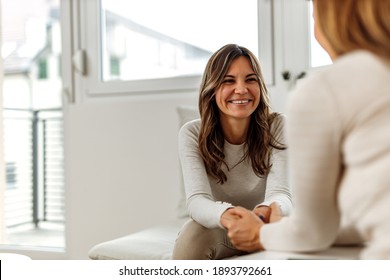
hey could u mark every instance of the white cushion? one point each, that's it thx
(186, 114)
(13, 257)
(155, 243)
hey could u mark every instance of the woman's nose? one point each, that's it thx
(241, 88)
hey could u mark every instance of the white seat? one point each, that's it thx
(13, 257)
(155, 243)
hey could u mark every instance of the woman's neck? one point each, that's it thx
(235, 130)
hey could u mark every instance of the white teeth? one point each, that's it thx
(239, 101)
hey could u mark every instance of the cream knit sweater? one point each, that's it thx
(207, 200)
(338, 133)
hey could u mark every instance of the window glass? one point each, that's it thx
(152, 39)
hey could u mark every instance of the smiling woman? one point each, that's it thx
(236, 137)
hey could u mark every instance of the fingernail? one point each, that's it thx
(262, 218)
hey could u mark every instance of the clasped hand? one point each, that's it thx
(244, 226)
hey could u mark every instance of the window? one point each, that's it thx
(153, 45)
(33, 207)
(159, 39)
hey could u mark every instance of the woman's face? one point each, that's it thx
(239, 94)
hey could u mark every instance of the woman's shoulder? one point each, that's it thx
(277, 126)
(357, 58)
(278, 121)
(359, 70)
(190, 129)
(349, 74)
(352, 68)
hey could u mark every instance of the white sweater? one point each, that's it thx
(338, 132)
(207, 200)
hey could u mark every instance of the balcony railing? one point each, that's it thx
(33, 149)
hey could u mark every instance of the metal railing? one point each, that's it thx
(33, 149)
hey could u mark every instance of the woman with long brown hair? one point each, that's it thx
(234, 155)
(339, 141)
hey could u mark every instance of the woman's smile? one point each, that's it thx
(240, 102)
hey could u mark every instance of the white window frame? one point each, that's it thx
(87, 60)
(296, 38)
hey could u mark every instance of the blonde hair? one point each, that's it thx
(355, 24)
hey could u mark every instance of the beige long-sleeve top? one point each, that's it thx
(338, 130)
(207, 199)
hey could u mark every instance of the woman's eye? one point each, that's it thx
(228, 81)
(252, 80)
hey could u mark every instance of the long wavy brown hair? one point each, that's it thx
(259, 140)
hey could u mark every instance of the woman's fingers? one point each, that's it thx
(276, 213)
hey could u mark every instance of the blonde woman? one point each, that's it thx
(338, 128)
(235, 155)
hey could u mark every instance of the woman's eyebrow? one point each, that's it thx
(232, 76)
